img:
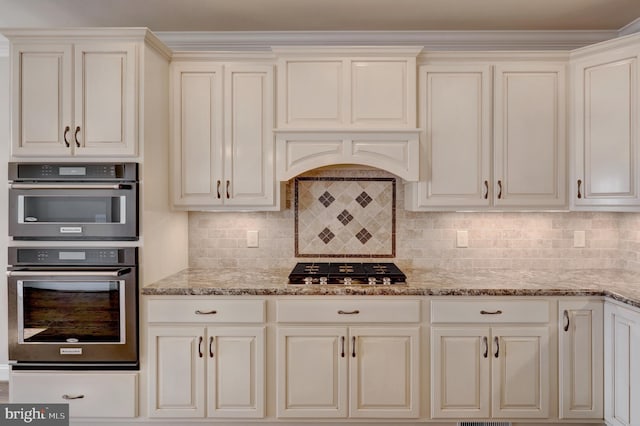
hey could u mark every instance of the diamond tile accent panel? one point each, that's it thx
(345, 217)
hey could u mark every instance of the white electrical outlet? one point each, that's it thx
(252, 238)
(462, 239)
(579, 239)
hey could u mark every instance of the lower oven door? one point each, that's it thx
(73, 211)
(73, 316)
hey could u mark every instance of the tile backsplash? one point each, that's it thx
(517, 240)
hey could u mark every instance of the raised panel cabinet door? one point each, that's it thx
(41, 88)
(311, 372)
(248, 136)
(383, 93)
(581, 361)
(460, 372)
(197, 103)
(235, 372)
(529, 135)
(606, 130)
(311, 93)
(176, 371)
(384, 372)
(621, 372)
(520, 372)
(455, 115)
(105, 107)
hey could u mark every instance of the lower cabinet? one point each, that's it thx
(580, 359)
(621, 366)
(490, 371)
(89, 394)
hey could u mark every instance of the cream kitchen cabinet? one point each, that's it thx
(492, 371)
(492, 136)
(621, 369)
(200, 365)
(223, 144)
(363, 371)
(74, 98)
(580, 359)
(606, 173)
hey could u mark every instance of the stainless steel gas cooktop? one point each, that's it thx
(347, 274)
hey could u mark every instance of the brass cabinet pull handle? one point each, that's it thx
(218, 189)
(66, 133)
(486, 189)
(70, 397)
(199, 312)
(499, 189)
(485, 342)
(566, 320)
(579, 188)
(354, 312)
(498, 312)
(497, 342)
(342, 346)
(228, 183)
(200, 347)
(353, 347)
(75, 136)
(211, 347)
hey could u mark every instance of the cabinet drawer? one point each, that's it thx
(489, 311)
(103, 395)
(348, 311)
(205, 311)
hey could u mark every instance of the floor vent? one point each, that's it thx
(484, 423)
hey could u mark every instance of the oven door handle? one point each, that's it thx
(69, 186)
(117, 273)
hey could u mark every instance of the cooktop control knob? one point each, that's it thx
(347, 280)
(308, 280)
(386, 281)
(372, 281)
(323, 280)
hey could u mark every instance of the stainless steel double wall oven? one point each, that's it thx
(73, 305)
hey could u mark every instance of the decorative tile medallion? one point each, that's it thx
(345, 217)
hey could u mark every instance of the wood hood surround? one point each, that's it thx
(346, 105)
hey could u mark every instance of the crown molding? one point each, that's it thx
(4, 46)
(624, 42)
(431, 40)
(631, 28)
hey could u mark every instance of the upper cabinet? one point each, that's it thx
(74, 97)
(348, 88)
(605, 126)
(222, 136)
(492, 136)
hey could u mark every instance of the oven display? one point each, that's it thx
(72, 255)
(72, 171)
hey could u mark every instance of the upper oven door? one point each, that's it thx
(80, 211)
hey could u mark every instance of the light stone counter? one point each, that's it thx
(620, 285)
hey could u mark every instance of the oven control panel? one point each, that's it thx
(24, 256)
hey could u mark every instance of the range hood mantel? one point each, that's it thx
(396, 151)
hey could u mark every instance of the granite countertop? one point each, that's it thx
(617, 284)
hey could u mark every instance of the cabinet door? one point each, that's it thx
(460, 372)
(235, 378)
(249, 141)
(105, 106)
(197, 134)
(621, 370)
(312, 372)
(41, 108)
(455, 113)
(176, 366)
(529, 135)
(606, 120)
(520, 372)
(384, 373)
(580, 360)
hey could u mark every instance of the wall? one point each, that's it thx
(496, 239)
(4, 231)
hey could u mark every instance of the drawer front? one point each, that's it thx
(206, 311)
(88, 395)
(348, 311)
(489, 311)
